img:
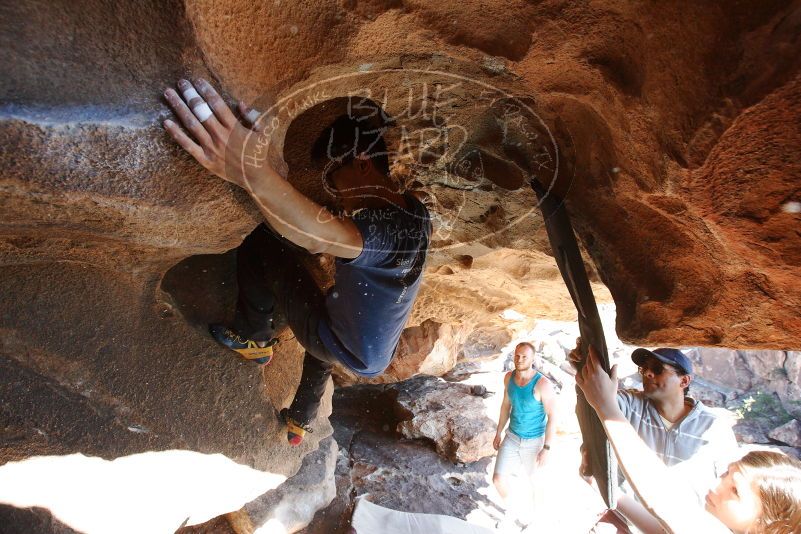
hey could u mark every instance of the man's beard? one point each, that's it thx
(651, 393)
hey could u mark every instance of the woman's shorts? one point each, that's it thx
(518, 456)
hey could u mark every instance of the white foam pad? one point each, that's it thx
(202, 112)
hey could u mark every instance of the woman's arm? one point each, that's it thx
(638, 515)
(671, 500)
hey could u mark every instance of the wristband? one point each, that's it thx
(546, 447)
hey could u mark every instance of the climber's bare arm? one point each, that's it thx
(211, 134)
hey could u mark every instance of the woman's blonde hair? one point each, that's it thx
(777, 480)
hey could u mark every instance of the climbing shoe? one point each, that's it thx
(294, 430)
(247, 348)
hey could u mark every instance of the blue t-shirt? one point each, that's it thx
(373, 293)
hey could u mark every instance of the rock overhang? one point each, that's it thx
(675, 125)
(636, 167)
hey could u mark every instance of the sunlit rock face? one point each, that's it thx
(676, 124)
(670, 129)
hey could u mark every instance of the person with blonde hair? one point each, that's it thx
(776, 480)
(758, 494)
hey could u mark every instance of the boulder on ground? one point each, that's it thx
(292, 505)
(789, 433)
(397, 473)
(449, 414)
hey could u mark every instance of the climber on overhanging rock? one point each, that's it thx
(379, 236)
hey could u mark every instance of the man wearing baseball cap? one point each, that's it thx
(687, 436)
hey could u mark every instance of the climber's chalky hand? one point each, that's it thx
(217, 138)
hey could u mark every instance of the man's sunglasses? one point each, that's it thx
(656, 367)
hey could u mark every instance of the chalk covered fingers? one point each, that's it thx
(213, 129)
(199, 107)
(215, 101)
